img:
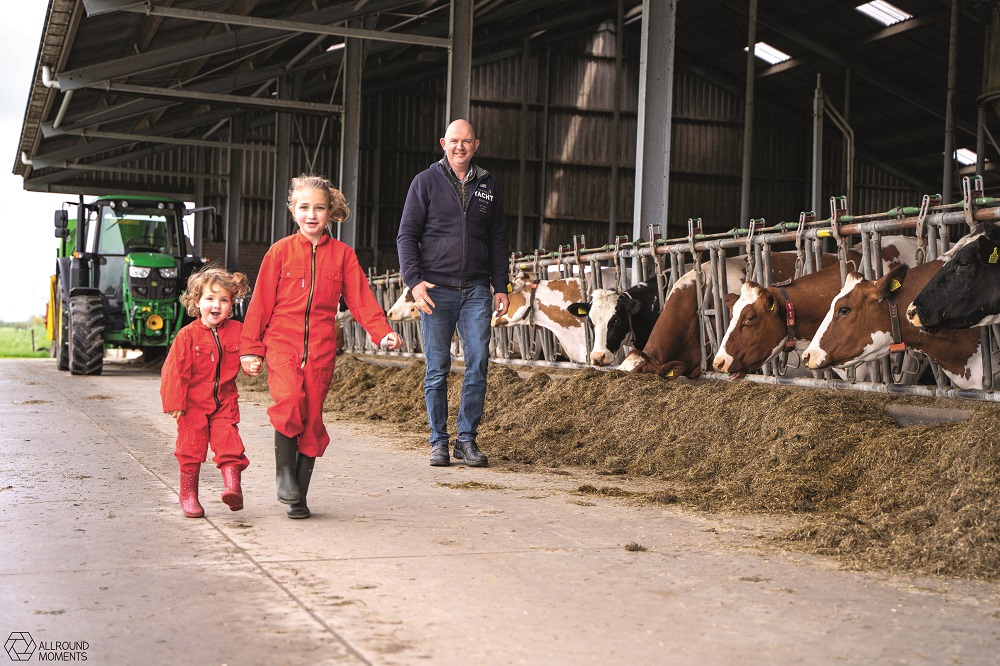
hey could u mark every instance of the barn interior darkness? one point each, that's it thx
(172, 97)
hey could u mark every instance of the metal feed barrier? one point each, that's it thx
(665, 261)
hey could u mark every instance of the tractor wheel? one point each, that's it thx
(86, 335)
(60, 345)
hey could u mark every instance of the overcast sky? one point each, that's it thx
(27, 243)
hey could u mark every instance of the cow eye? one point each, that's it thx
(750, 319)
(844, 311)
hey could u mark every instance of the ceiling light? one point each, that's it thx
(965, 156)
(769, 54)
(883, 12)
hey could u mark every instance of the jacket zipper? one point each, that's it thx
(312, 287)
(218, 370)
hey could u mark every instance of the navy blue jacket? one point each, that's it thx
(445, 245)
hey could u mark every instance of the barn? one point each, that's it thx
(701, 163)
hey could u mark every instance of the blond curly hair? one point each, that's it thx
(334, 197)
(213, 276)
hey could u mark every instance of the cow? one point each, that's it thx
(544, 303)
(404, 309)
(965, 292)
(674, 347)
(619, 317)
(763, 324)
(859, 327)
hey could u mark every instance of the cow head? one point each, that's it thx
(405, 308)
(610, 312)
(756, 333)
(965, 292)
(857, 327)
(638, 361)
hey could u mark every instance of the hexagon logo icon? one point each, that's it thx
(19, 646)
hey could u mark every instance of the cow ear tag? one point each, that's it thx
(578, 311)
(993, 257)
(894, 285)
(510, 288)
(773, 305)
(670, 374)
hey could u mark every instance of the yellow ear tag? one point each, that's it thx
(993, 257)
(510, 288)
(773, 305)
(670, 374)
(895, 285)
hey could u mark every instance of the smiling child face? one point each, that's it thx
(215, 304)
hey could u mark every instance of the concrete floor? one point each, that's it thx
(395, 567)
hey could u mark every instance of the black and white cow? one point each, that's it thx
(619, 317)
(965, 292)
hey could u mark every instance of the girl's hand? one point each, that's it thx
(251, 364)
(177, 414)
(392, 340)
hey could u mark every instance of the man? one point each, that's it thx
(452, 246)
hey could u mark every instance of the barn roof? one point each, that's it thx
(177, 70)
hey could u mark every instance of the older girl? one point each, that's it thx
(290, 322)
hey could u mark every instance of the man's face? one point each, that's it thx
(460, 144)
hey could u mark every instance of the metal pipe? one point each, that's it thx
(949, 115)
(817, 165)
(748, 112)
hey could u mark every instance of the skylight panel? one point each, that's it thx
(965, 156)
(883, 12)
(769, 54)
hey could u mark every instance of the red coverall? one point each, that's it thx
(199, 377)
(290, 322)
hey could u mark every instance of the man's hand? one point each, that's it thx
(500, 304)
(177, 414)
(422, 298)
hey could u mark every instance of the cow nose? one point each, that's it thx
(720, 364)
(913, 315)
(805, 359)
(599, 358)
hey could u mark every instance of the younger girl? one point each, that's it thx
(291, 321)
(198, 386)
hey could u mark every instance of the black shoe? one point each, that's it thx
(439, 455)
(470, 453)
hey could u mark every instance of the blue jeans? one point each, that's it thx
(470, 310)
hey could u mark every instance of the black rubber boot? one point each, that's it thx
(285, 454)
(304, 471)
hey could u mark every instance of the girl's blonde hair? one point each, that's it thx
(334, 197)
(213, 276)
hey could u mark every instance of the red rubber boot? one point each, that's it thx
(233, 494)
(189, 496)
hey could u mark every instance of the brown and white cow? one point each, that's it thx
(674, 347)
(763, 322)
(544, 303)
(858, 327)
(404, 309)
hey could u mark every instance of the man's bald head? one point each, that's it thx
(460, 145)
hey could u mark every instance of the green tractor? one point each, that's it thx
(120, 270)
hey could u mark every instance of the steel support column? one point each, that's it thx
(948, 170)
(459, 61)
(350, 137)
(234, 195)
(748, 114)
(282, 175)
(817, 165)
(656, 79)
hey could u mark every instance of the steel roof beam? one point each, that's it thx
(311, 108)
(203, 48)
(48, 130)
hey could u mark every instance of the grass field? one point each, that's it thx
(16, 342)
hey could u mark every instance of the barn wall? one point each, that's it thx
(560, 108)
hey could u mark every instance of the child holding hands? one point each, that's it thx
(290, 322)
(198, 386)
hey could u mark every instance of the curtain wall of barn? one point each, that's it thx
(547, 119)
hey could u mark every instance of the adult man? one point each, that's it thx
(452, 246)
